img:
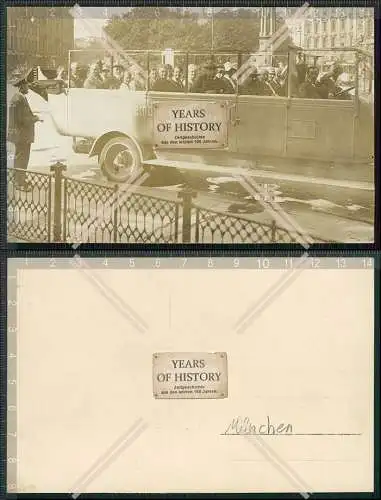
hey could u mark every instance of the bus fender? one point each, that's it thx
(102, 140)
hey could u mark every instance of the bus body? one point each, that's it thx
(123, 127)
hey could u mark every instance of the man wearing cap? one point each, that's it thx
(21, 130)
(230, 84)
(108, 79)
(163, 84)
(309, 89)
(251, 85)
(206, 81)
(328, 82)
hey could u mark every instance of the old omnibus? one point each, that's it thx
(128, 124)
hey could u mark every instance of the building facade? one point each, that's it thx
(333, 28)
(39, 36)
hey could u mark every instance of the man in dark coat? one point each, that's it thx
(163, 84)
(309, 89)
(21, 130)
(328, 82)
(207, 83)
(301, 68)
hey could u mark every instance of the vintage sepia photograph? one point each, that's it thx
(190, 125)
(195, 389)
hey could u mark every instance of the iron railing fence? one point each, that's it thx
(58, 208)
(29, 195)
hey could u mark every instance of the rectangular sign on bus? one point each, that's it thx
(190, 124)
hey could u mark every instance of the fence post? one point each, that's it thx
(273, 231)
(116, 211)
(58, 168)
(186, 195)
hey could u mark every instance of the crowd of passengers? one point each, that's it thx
(306, 82)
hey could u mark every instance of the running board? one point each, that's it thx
(237, 171)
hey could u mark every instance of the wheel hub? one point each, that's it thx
(120, 159)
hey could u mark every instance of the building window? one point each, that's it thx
(333, 41)
(315, 43)
(309, 42)
(342, 24)
(333, 24)
(308, 28)
(324, 26)
(324, 42)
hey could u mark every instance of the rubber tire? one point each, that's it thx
(131, 146)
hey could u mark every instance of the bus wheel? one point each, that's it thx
(120, 159)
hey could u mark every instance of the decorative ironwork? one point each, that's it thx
(86, 212)
(219, 227)
(282, 235)
(89, 212)
(29, 208)
(147, 219)
(94, 213)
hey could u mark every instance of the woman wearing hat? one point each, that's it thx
(21, 129)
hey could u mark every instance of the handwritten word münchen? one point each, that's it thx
(243, 425)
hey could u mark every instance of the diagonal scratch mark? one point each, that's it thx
(280, 464)
(117, 200)
(274, 43)
(276, 210)
(119, 304)
(109, 456)
(266, 300)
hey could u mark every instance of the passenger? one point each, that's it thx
(153, 76)
(138, 81)
(163, 84)
(328, 82)
(265, 85)
(177, 79)
(301, 68)
(281, 69)
(62, 76)
(252, 86)
(206, 81)
(192, 75)
(128, 82)
(169, 70)
(94, 80)
(118, 71)
(281, 79)
(108, 80)
(220, 71)
(77, 75)
(309, 89)
(227, 80)
(273, 81)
